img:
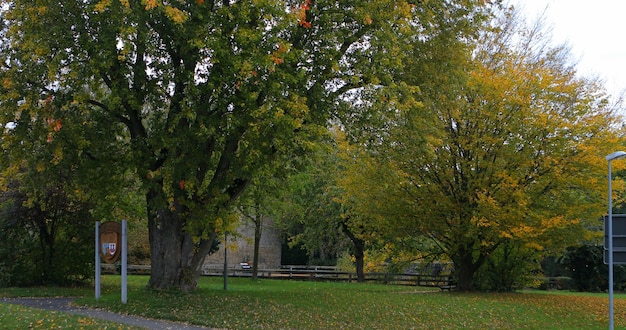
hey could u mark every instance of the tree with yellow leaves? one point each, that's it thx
(505, 149)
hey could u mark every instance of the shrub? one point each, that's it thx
(509, 267)
(45, 241)
(585, 265)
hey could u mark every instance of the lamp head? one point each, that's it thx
(616, 155)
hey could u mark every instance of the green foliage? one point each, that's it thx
(309, 211)
(48, 241)
(510, 267)
(138, 244)
(345, 262)
(193, 98)
(585, 266)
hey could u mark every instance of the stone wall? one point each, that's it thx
(241, 249)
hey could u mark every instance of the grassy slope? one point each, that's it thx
(315, 305)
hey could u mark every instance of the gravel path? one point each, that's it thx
(66, 305)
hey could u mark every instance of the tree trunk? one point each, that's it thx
(176, 260)
(465, 278)
(46, 240)
(258, 230)
(465, 269)
(359, 251)
(359, 256)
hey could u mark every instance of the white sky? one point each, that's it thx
(596, 31)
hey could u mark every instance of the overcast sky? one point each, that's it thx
(596, 31)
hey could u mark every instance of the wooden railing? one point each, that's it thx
(313, 273)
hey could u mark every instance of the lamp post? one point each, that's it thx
(609, 158)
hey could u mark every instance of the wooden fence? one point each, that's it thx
(313, 273)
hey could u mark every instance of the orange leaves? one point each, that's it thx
(55, 124)
(7, 83)
(277, 59)
(305, 24)
(282, 48)
(150, 4)
(278, 55)
(301, 14)
(200, 2)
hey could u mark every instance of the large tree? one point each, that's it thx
(198, 94)
(512, 154)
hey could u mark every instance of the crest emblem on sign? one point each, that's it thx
(112, 248)
(110, 237)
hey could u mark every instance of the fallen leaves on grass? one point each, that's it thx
(21, 317)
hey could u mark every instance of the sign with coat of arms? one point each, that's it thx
(110, 239)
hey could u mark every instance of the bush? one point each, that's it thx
(510, 267)
(47, 241)
(585, 265)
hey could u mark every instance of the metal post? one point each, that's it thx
(610, 238)
(97, 260)
(225, 262)
(124, 261)
(609, 158)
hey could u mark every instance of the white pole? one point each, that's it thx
(609, 158)
(610, 238)
(97, 260)
(124, 261)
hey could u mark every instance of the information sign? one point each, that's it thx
(619, 239)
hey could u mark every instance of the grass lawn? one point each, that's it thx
(276, 304)
(20, 317)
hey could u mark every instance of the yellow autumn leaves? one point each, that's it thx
(174, 14)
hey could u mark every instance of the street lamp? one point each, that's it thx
(609, 158)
